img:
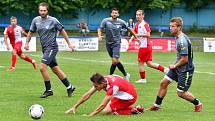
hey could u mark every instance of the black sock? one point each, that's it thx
(121, 68)
(195, 101)
(112, 68)
(66, 82)
(159, 100)
(47, 85)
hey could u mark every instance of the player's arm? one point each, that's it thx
(183, 60)
(28, 39)
(103, 104)
(6, 43)
(63, 32)
(132, 33)
(84, 98)
(24, 33)
(100, 32)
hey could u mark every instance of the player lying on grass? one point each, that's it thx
(120, 96)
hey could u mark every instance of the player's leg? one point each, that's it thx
(22, 56)
(55, 69)
(171, 75)
(115, 60)
(151, 64)
(46, 78)
(184, 83)
(110, 52)
(107, 110)
(13, 60)
(142, 73)
(48, 55)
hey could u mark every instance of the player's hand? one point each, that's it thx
(171, 66)
(26, 46)
(71, 46)
(100, 38)
(72, 110)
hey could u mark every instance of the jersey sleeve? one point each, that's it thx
(58, 25)
(136, 28)
(5, 31)
(183, 47)
(147, 27)
(124, 25)
(33, 27)
(103, 24)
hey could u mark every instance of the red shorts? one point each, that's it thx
(117, 105)
(18, 47)
(145, 54)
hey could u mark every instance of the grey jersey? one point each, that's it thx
(47, 29)
(184, 48)
(113, 29)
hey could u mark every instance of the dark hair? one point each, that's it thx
(44, 4)
(97, 78)
(114, 9)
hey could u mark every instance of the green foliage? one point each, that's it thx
(193, 4)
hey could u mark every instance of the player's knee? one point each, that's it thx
(115, 61)
(163, 84)
(180, 94)
(55, 70)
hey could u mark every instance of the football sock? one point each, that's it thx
(66, 83)
(121, 68)
(112, 68)
(13, 61)
(195, 101)
(142, 75)
(28, 59)
(48, 85)
(159, 100)
(160, 68)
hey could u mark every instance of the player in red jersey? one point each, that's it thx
(14, 33)
(142, 30)
(120, 96)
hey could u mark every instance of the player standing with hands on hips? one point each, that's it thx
(47, 28)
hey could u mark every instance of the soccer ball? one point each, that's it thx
(36, 111)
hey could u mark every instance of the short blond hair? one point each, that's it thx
(177, 20)
(140, 10)
(13, 17)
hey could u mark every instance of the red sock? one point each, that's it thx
(13, 61)
(142, 75)
(160, 68)
(28, 59)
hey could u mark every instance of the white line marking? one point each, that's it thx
(126, 63)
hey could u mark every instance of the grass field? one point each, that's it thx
(22, 88)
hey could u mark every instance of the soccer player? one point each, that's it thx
(112, 27)
(142, 30)
(181, 71)
(47, 28)
(14, 33)
(120, 96)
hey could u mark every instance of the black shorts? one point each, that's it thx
(113, 50)
(183, 79)
(49, 57)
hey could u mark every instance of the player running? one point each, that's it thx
(47, 28)
(120, 96)
(14, 33)
(142, 30)
(182, 71)
(112, 27)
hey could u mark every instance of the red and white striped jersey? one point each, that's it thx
(141, 29)
(120, 88)
(14, 33)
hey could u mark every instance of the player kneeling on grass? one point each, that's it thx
(120, 96)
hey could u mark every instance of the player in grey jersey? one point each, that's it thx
(47, 28)
(182, 71)
(112, 27)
